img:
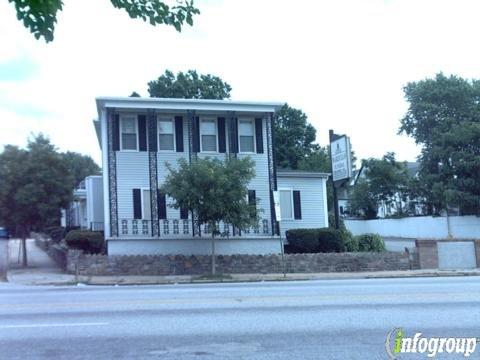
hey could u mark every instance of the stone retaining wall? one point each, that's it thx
(91, 265)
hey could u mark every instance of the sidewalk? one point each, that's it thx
(41, 269)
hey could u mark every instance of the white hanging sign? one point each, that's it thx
(341, 158)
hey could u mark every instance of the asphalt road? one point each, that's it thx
(344, 319)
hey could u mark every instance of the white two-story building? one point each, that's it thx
(139, 135)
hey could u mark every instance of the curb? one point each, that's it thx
(155, 280)
(234, 278)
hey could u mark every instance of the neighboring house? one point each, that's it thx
(409, 206)
(343, 193)
(139, 135)
(86, 210)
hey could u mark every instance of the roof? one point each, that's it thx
(185, 104)
(301, 173)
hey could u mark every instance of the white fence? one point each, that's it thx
(424, 227)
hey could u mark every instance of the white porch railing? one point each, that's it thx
(184, 227)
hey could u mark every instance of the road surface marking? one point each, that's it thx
(50, 325)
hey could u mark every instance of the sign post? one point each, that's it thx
(278, 218)
(341, 158)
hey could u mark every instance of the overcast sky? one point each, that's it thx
(343, 63)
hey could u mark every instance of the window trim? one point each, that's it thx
(122, 118)
(215, 120)
(291, 202)
(172, 120)
(142, 201)
(252, 121)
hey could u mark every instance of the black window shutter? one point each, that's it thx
(162, 205)
(142, 132)
(183, 213)
(116, 132)
(252, 199)
(137, 204)
(259, 135)
(297, 205)
(234, 136)
(179, 133)
(196, 134)
(222, 143)
(152, 131)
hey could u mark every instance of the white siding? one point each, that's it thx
(94, 187)
(313, 202)
(261, 181)
(132, 173)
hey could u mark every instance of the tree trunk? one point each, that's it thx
(24, 252)
(213, 254)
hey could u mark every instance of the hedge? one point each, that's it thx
(91, 242)
(315, 240)
(370, 242)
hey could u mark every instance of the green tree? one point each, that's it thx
(215, 191)
(32, 187)
(79, 167)
(386, 182)
(294, 138)
(189, 85)
(444, 118)
(317, 160)
(40, 16)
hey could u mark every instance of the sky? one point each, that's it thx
(344, 63)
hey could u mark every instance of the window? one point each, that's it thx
(208, 134)
(246, 135)
(166, 134)
(128, 129)
(286, 204)
(146, 205)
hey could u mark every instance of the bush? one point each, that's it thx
(56, 233)
(91, 242)
(315, 240)
(351, 242)
(370, 242)
(302, 240)
(330, 240)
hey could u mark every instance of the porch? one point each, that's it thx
(184, 228)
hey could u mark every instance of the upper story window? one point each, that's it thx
(129, 133)
(208, 135)
(166, 134)
(246, 135)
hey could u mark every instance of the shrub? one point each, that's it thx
(330, 240)
(315, 240)
(56, 233)
(370, 242)
(91, 242)
(351, 242)
(302, 240)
